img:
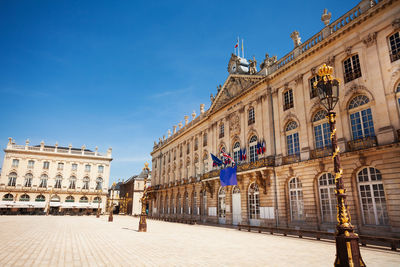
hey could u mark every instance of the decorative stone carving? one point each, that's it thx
(298, 79)
(180, 124)
(234, 124)
(321, 166)
(186, 117)
(314, 71)
(347, 50)
(201, 108)
(174, 129)
(209, 186)
(296, 38)
(362, 159)
(330, 61)
(326, 17)
(268, 61)
(396, 24)
(193, 115)
(370, 39)
(253, 66)
(169, 132)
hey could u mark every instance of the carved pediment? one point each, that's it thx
(234, 85)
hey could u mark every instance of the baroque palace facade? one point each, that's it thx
(52, 179)
(291, 183)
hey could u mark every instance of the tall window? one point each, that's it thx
(31, 163)
(186, 203)
(204, 202)
(194, 203)
(361, 121)
(253, 149)
(28, 180)
(236, 152)
(252, 116)
(322, 133)
(72, 182)
(12, 179)
(313, 91)
(288, 99)
(85, 183)
(221, 130)
(205, 139)
(15, 163)
(205, 163)
(74, 167)
(58, 181)
(352, 68)
(372, 197)
(296, 199)
(24, 197)
(221, 203)
(46, 165)
(178, 204)
(292, 138)
(99, 183)
(327, 197)
(87, 168)
(60, 166)
(394, 46)
(43, 181)
(173, 209)
(196, 144)
(254, 201)
(100, 169)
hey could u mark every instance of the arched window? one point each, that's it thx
(326, 184)
(97, 200)
(28, 180)
(252, 116)
(194, 203)
(254, 201)
(394, 46)
(186, 204)
(178, 204)
(322, 133)
(372, 197)
(253, 149)
(236, 152)
(99, 183)
(85, 183)
(40, 198)
(69, 199)
(12, 179)
(8, 197)
(204, 203)
(221, 203)
(43, 181)
(55, 198)
(84, 199)
(72, 182)
(361, 121)
(292, 138)
(24, 197)
(296, 199)
(58, 181)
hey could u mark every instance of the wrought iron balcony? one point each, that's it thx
(291, 159)
(321, 152)
(268, 161)
(362, 143)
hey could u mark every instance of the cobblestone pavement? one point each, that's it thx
(87, 241)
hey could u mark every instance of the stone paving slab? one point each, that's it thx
(90, 241)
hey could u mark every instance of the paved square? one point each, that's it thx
(87, 241)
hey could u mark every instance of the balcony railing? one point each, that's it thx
(321, 152)
(264, 162)
(362, 143)
(291, 159)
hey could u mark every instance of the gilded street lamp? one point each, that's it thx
(143, 214)
(110, 216)
(347, 246)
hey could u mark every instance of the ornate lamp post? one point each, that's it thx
(347, 247)
(110, 216)
(143, 214)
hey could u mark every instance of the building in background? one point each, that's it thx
(54, 179)
(271, 122)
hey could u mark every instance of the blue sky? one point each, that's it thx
(121, 73)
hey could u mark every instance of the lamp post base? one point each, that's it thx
(348, 251)
(110, 217)
(142, 223)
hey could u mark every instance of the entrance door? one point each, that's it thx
(221, 206)
(236, 206)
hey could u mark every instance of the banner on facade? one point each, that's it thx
(227, 176)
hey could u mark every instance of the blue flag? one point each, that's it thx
(227, 176)
(216, 161)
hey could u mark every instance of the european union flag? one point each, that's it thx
(227, 176)
(216, 161)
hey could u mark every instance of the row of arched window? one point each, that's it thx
(41, 198)
(12, 179)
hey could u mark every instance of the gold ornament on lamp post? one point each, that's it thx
(347, 246)
(143, 214)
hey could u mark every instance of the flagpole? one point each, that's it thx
(242, 49)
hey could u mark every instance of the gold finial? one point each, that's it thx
(325, 70)
(146, 166)
(114, 184)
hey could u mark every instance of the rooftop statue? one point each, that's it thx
(253, 66)
(296, 38)
(268, 61)
(326, 17)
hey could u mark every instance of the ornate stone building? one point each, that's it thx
(291, 183)
(54, 179)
